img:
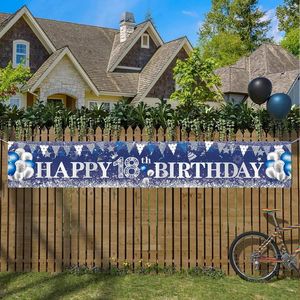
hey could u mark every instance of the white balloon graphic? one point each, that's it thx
(26, 156)
(272, 156)
(20, 166)
(18, 176)
(270, 172)
(20, 151)
(278, 166)
(280, 176)
(276, 169)
(28, 172)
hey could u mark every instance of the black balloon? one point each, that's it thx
(279, 105)
(259, 90)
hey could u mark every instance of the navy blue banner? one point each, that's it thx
(149, 164)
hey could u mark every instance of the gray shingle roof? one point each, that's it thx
(4, 18)
(91, 46)
(269, 60)
(97, 49)
(156, 64)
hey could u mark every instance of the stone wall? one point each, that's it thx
(64, 79)
(21, 31)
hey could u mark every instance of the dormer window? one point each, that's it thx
(145, 41)
(20, 53)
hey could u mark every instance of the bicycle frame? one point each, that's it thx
(276, 236)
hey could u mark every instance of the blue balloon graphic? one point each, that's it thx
(279, 105)
(30, 163)
(11, 169)
(286, 157)
(13, 157)
(269, 163)
(287, 169)
(143, 168)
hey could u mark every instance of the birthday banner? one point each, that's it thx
(149, 164)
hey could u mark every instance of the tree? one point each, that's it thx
(217, 20)
(231, 29)
(225, 48)
(11, 79)
(288, 15)
(249, 23)
(196, 80)
(291, 41)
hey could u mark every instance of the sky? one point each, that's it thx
(173, 18)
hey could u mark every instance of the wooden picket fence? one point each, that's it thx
(49, 229)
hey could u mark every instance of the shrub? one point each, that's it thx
(226, 119)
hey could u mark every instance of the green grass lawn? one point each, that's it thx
(98, 286)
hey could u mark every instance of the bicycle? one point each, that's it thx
(255, 256)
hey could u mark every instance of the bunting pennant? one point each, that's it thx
(140, 164)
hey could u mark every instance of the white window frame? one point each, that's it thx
(16, 97)
(22, 42)
(145, 45)
(99, 102)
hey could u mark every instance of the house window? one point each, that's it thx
(20, 53)
(55, 101)
(105, 105)
(145, 41)
(15, 101)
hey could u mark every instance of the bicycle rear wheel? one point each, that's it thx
(252, 263)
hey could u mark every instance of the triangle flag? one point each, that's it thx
(172, 147)
(90, 147)
(208, 145)
(255, 149)
(44, 149)
(140, 148)
(162, 148)
(243, 149)
(55, 149)
(130, 145)
(78, 149)
(232, 148)
(221, 146)
(267, 148)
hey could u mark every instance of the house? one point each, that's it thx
(82, 65)
(269, 60)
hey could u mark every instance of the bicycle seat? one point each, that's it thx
(270, 210)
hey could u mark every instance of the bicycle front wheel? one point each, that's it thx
(254, 256)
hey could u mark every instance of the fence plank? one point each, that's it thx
(4, 209)
(98, 214)
(106, 223)
(51, 219)
(75, 217)
(129, 215)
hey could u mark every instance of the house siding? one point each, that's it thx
(165, 86)
(137, 56)
(21, 31)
